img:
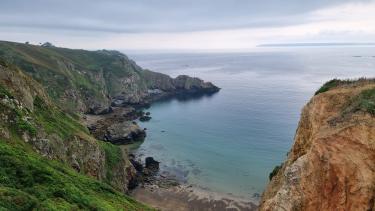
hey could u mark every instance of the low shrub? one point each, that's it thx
(274, 171)
(365, 102)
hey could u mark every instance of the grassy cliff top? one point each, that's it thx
(34, 180)
(364, 101)
(89, 76)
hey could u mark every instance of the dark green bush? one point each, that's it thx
(331, 84)
(338, 82)
(274, 171)
(365, 101)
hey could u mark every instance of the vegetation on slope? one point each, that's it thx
(364, 102)
(28, 181)
(88, 76)
(338, 82)
(55, 121)
(275, 170)
(112, 157)
(329, 85)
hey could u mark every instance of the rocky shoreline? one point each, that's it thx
(163, 191)
(168, 195)
(67, 108)
(117, 124)
(117, 127)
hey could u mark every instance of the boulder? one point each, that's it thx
(144, 118)
(151, 164)
(124, 133)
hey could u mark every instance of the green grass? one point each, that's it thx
(338, 82)
(48, 117)
(61, 69)
(332, 84)
(4, 92)
(113, 156)
(14, 199)
(365, 102)
(29, 181)
(54, 120)
(19, 124)
(25, 126)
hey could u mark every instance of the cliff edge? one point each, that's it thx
(81, 81)
(331, 165)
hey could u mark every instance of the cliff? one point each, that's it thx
(45, 153)
(331, 164)
(92, 81)
(61, 112)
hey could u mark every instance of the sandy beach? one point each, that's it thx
(189, 198)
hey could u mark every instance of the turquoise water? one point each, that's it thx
(231, 141)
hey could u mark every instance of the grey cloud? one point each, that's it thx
(155, 15)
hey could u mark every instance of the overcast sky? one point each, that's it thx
(185, 24)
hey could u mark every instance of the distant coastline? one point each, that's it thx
(315, 44)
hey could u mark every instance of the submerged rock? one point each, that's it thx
(152, 164)
(144, 118)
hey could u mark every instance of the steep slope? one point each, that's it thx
(45, 153)
(49, 97)
(31, 182)
(91, 81)
(331, 165)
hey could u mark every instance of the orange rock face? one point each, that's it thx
(331, 165)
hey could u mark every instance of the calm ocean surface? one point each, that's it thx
(231, 141)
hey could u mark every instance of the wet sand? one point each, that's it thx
(189, 198)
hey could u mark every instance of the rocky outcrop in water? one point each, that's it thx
(152, 164)
(331, 164)
(162, 86)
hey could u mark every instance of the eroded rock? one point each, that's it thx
(330, 166)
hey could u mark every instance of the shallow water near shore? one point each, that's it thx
(229, 142)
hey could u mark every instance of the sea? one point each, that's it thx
(229, 142)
